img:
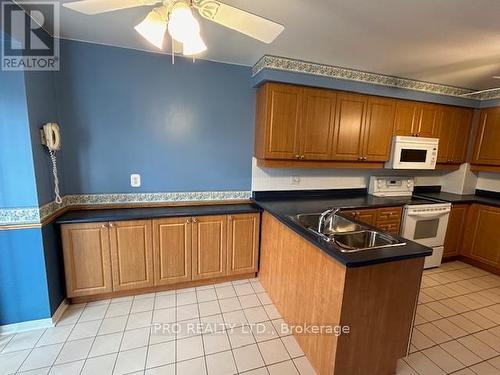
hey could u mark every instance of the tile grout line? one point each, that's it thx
(95, 337)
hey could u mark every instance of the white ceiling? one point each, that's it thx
(454, 42)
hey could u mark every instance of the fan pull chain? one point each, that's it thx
(173, 52)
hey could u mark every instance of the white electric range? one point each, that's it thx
(424, 222)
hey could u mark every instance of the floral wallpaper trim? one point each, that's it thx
(299, 66)
(22, 216)
(36, 215)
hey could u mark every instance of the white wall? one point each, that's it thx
(462, 181)
(309, 179)
(488, 181)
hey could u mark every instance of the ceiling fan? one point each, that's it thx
(177, 17)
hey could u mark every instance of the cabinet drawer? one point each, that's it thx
(389, 214)
(389, 227)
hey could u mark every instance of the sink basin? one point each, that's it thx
(364, 240)
(336, 224)
(346, 235)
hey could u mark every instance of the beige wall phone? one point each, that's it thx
(51, 137)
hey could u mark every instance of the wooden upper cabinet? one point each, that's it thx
(427, 125)
(243, 243)
(131, 254)
(277, 121)
(209, 249)
(406, 118)
(486, 148)
(481, 240)
(378, 129)
(416, 119)
(349, 121)
(87, 260)
(462, 134)
(454, 128)
(455, 229)
(316, 126)
(172, 242)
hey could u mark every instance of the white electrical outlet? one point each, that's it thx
(295, 180)
(135, 180)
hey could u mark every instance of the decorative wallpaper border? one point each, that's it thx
(21, 216)
(35, 215)
(299, 66)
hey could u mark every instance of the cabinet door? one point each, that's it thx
(455, 229)
(463, 120)
(243, 243)
(172, 241)
(486, 150)
(87, 262)
(209, 254)
(482, 241)
(378, 129)
(368, 216)
(282, 121)
(349, 121)
(427, 121)
(131, 254)
(446, 135)
(406, 118)
(316, 127)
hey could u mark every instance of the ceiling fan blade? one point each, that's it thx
(91, 7)
(247, 23)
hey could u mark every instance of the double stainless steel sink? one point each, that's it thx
(347, 235)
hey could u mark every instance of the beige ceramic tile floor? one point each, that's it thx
(121, 336)
(457, 326)
(457, 330)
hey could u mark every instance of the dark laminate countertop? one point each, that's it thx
(291, 205)
(91, 216)
(481, 197)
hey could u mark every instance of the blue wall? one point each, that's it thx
(183, 127)
(42, 108)
(17, 179)
(23, 291)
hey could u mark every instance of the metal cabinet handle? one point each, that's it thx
(195, 220)
(302, 157)
(104, 225)
(297, 156)
(111, 225)
(360, 158)
(188, 221)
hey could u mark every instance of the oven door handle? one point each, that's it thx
(429, 215)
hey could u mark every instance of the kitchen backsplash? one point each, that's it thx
(305, 179)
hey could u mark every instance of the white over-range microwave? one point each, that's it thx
(413, 153)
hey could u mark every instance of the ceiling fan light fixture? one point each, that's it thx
(194, 46)
(154, 26)
(182, 25)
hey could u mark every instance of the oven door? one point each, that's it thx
(426, 228)
(414, 156)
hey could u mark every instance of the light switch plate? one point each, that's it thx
(135, 180)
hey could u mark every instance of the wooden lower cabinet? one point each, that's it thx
(172, 243)
(455, 229)
(481, 238)
(131, 254)
(87, 259)
(243, 243)
(119, 256)
(387, 219)
(209, 252)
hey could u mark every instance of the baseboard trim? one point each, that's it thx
(60, 311)
(29, 325)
